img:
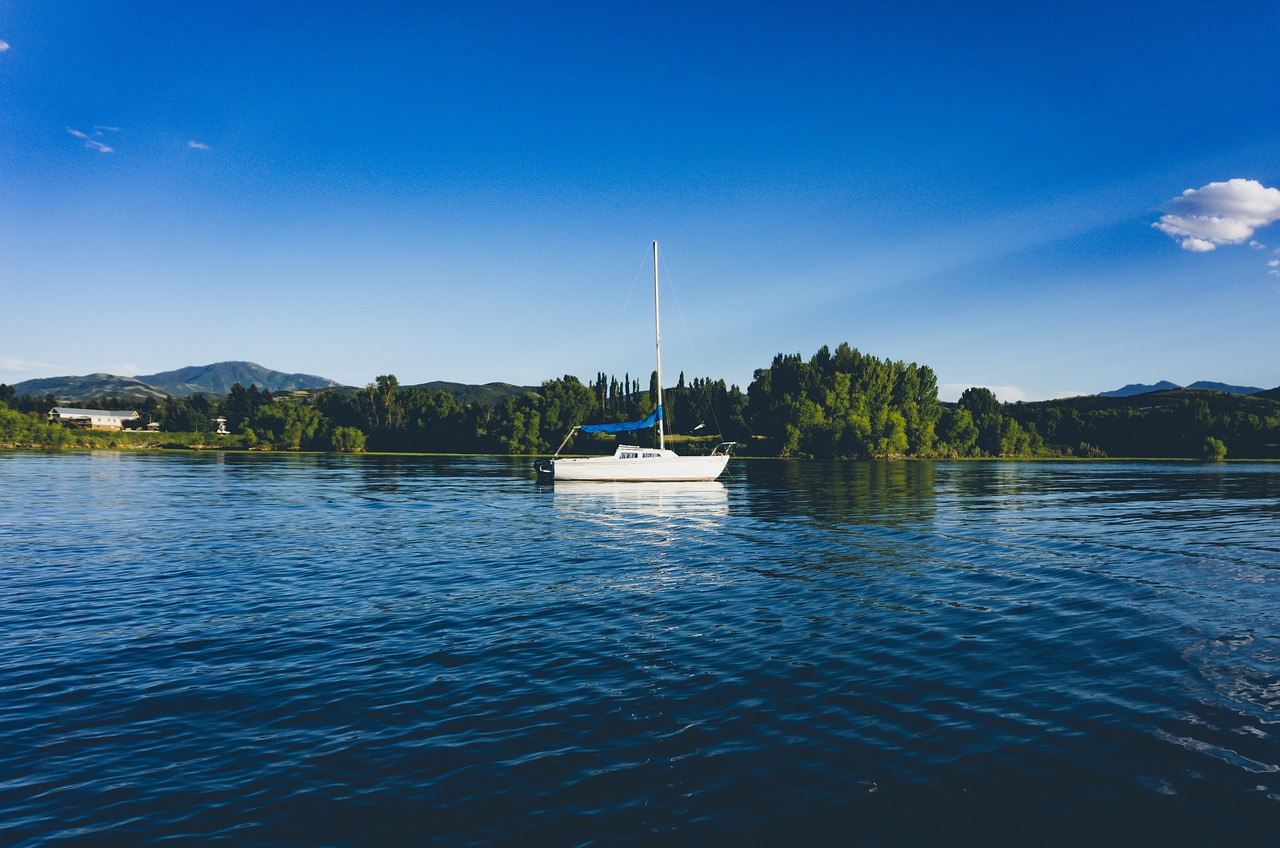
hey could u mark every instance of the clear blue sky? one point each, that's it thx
(467, 192)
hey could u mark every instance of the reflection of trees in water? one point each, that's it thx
(417, 475)
(1107, 489)
(980, 485)
(884, 493)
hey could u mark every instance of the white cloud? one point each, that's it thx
(1274, 263)
(91, 141)
(4, 45)
(1219, 213)
(1257, 245)
(195, 145)
(1198, 245)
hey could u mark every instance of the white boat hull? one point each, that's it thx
(630, 464)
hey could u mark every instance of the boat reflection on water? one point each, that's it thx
(629, 495)
(639, 540)
(638, 505)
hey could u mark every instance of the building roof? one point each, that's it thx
(72, 412)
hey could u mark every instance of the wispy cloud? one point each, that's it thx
(9, 363)
(91, 140)
(1202, 219)
(14, 370)
(195, 145)
(4, 45)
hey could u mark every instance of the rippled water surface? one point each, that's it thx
(316, 650)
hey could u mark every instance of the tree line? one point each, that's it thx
(835, 404)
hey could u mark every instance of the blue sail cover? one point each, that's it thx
(625, 426)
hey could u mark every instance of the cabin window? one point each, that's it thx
(629, 456)
(651, 456)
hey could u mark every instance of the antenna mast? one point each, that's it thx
(657, 335)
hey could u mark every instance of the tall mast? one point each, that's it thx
(657, 335)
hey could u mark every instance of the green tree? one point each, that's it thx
(988, 417)
(922, 419)
(289, 426)
(1214, 449)
(893, 436)
(959, 432)
(240, 404)
(566, 403)
(434, 421)
(347, 440)
(517, 426)
(342, 409)
(185, 415)
(382, 404)
(1014, 441)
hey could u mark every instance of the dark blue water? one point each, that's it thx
(315, 650)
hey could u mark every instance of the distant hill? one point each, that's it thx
(88, 386)
(219, 377)
(1164, 385)
(1263, 404)
(490, 394)
(1269, 394)
(1140, 389)
(197, 379)
(1224, 387)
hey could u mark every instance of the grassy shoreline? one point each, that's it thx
(101, 441)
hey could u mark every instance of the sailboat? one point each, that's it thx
(631, 463)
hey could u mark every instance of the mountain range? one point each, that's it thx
(215, 379)
(1165, 385)
(218, 378)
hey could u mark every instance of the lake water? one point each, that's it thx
(323, 650)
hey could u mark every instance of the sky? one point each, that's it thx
(1035, 198)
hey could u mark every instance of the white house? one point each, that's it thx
(91, 419)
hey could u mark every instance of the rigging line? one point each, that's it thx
(617, 321)
(684, 325)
